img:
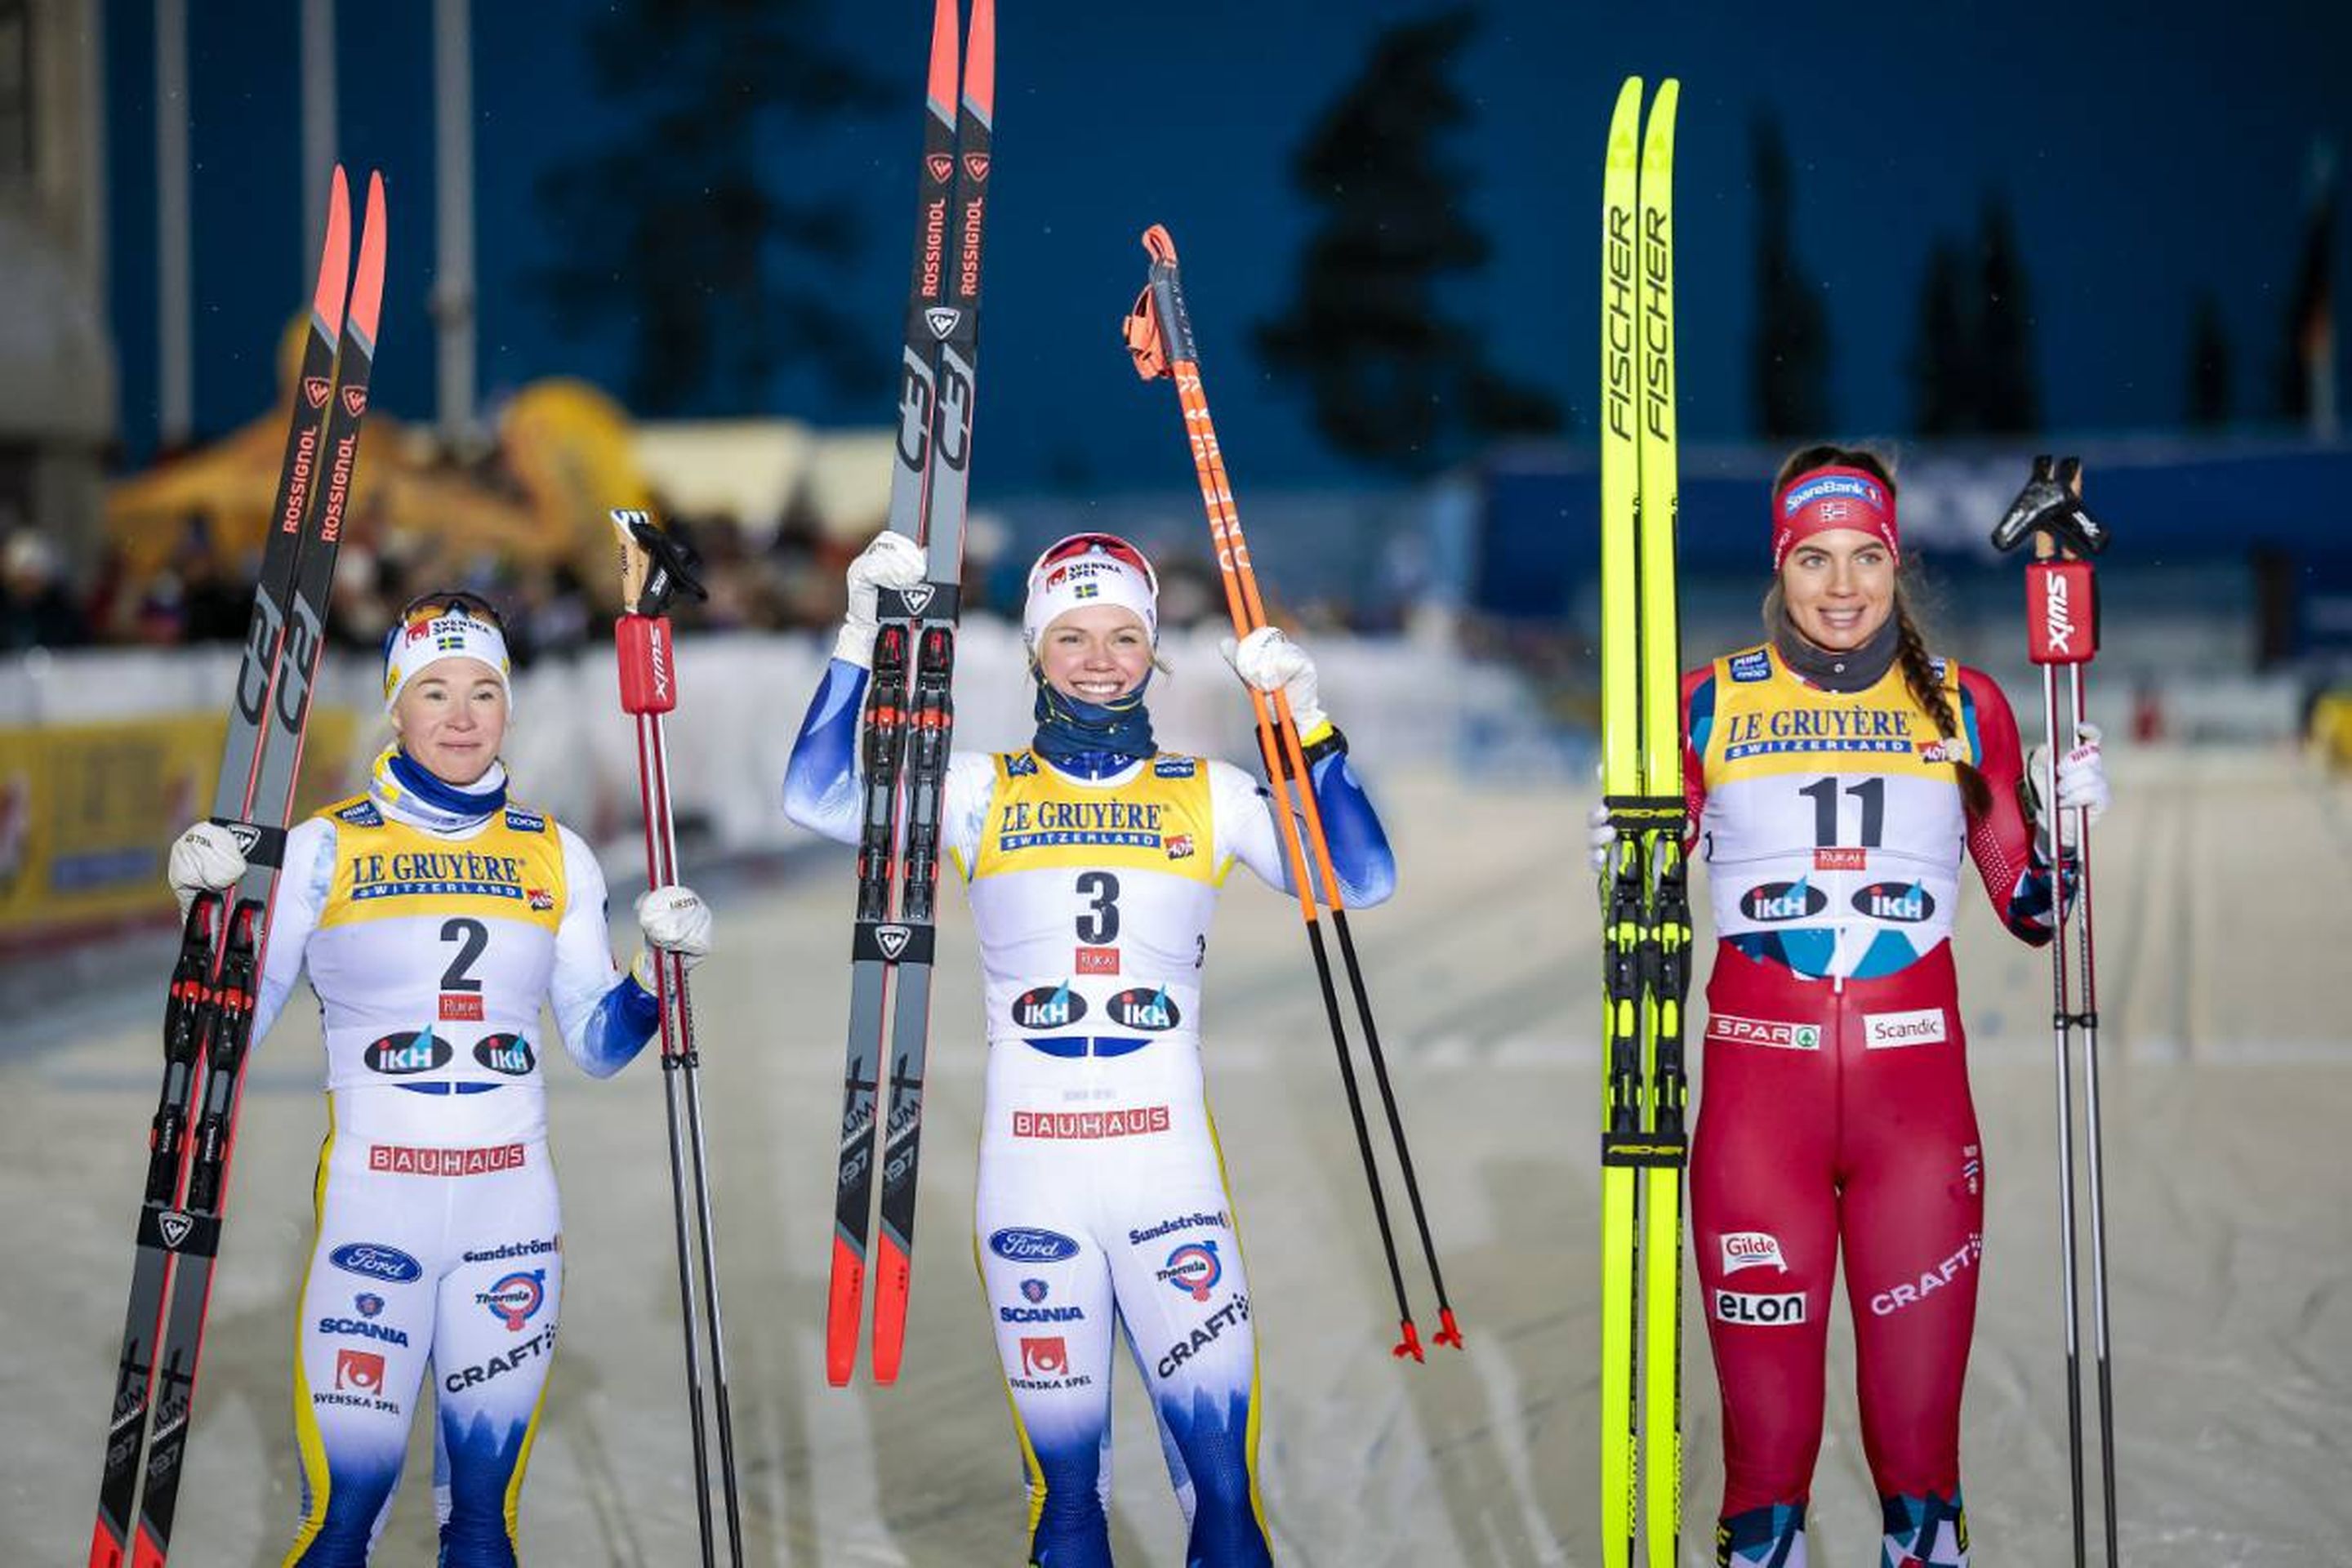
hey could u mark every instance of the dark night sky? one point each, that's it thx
(2144, 159)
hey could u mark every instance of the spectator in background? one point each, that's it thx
(35, 609)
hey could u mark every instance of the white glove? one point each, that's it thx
(1272, 662)
(1599, 838)
(2082, 775)
(205, 858)
(891, 561)
(674, 920)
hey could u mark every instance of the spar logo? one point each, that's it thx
(1752, 1249)
(1783, 901)
(1048, 1008)
(1770, 1032)
(408, 1052)
(1907, 902)
(1025, 1244)
(1777, 1311)
(515, 1298)
(1194, 1269)
(1145, 1009)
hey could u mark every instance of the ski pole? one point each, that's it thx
(2061, 628)
(654, 567)
(1160, 338)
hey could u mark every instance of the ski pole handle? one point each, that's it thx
(648, 668)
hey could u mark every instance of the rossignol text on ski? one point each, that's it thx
(208, 1017)
(910, 718)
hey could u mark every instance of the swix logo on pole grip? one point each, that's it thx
(647, 685)
(2061, 622)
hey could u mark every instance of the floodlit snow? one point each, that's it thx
(2228, 1089)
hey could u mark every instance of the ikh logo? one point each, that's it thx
(1907, 902)
(361, 1372)
(408, 1052)
(1045, 1356)
(1783, 901)
(1142, 1009)
(515, 1298)
(509, 1053)
(1195, 1270)
(1048, 1008)
(1769, 1312)
(1751, 1249)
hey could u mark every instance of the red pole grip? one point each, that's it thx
(648, 665)
(2061, 613)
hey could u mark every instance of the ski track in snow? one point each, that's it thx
(2228, 1085)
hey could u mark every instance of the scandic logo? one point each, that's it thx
(1142, 1119)
(1924, 1026)
(1764, 1032)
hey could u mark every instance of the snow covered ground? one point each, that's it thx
(2228, 1089)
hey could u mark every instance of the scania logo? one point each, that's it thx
(408, 1053)
(1048, 1008)
(1905, 901)
(1783, 901)
(1023, 1244)
(1144, 1007)
(509, 1053)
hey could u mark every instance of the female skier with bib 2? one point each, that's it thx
(1092, 861)
(435, 916)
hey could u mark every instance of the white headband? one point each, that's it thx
(433, 635)
(1093, 577)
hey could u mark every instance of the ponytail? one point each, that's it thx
(1919, 675)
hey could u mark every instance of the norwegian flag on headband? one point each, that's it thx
(1820, 500)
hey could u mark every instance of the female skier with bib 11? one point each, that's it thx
(1093, 860)
(435, 916)
(1836, 775)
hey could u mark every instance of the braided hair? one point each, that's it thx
(1920, 674)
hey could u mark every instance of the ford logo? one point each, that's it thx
(1020, 1244)
(376, 1262)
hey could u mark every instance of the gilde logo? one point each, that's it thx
(1751, 1249)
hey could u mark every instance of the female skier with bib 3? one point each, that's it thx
(1837, 775)
(1092, 861)
(434, 917)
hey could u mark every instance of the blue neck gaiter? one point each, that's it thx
(1091, 738)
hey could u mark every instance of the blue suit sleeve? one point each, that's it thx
(821, 788)
(1360, 845)
(617, 1028)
